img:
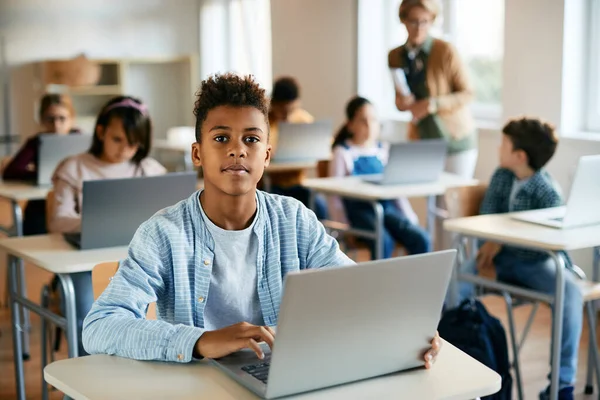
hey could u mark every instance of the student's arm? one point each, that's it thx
(462, 91)
(338, 167)
(117, 325)
(550, 197)
(321, 249)
(64, 216)
(22, 166)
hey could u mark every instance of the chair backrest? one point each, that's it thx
(323, 168)
(464, 201)
(49, 207)
(101, 276)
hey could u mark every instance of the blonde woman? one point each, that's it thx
(432, 83)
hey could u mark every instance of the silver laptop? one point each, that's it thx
(582, 206)
(113, 209)
(55, 148)
(339, 325)
(412, 162)
(304, 142)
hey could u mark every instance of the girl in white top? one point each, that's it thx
(357, 151)
(120, 149)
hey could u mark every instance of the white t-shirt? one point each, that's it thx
(233, 294)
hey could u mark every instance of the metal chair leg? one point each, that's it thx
(528, 324)
(45, 339)
(593, 340)
(513, 340)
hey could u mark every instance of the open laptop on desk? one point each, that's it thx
(113, 209)
(304, 142)
(582, 206)
(55, 148)
(412, 162)
(339, 325)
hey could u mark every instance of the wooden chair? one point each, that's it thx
(466, 202)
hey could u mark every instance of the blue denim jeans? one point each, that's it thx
(541, 276)
(397, 228)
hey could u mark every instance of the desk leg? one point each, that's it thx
(431, 215)
(71, 315)
(16, 325)
(21, 282)
(379, 242)
(453, 287)
(557, 324)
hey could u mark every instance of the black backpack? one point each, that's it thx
(473, 330)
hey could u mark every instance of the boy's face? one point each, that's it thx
(509, 157)
(234, 150)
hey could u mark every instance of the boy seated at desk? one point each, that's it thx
(286, 107)
(214, 263)
(521, 184)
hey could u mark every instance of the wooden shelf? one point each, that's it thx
(99, 90)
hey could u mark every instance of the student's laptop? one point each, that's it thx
(582, 206)
(304, 142)
(113, 209)
(339, 325)
(412, 162)
(55, 148)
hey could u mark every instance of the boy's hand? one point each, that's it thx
(431, 354)
(222, 342)
(486, 255)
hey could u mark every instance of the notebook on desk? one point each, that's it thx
(55, 148)
(412, 162)
(304, 142)
(582, 206)
(339, 325)
(113, 209)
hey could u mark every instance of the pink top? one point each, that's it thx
(68, 179)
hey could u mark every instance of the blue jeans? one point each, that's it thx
(84, 298)
(397, 228)
(302, 194)
(541, 276)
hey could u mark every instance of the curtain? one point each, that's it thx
(235, 36)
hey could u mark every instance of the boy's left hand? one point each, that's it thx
(431, 354)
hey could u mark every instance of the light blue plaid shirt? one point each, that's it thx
(170, 261)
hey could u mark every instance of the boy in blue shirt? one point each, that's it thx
(522, 184)
(230, 238)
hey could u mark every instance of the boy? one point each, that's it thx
(522, 184)
(286, 107)
(229, 238)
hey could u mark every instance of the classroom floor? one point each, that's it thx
(534, 358)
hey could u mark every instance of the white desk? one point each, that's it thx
(454, 376)
(15, 192)
(503, 229)
(54, 254)
(354, 187)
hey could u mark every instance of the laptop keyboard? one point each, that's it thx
(260, 371)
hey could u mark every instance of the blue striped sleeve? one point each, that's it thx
(322, 250)
(117, 325)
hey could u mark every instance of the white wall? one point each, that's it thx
(315, 41)
(41, 29)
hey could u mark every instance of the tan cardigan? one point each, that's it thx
(448, 83)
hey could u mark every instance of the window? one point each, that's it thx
(593, 95)
(475, 27)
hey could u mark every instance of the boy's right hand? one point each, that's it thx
(486, 255)
(222, 342)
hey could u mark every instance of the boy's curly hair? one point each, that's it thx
(228, 90)
(535, 137)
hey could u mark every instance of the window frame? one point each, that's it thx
(592, 107)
